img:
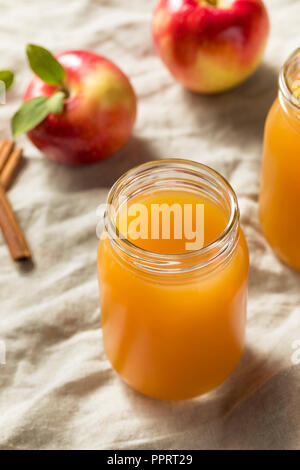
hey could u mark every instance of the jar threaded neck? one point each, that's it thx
(173, 174)
(289, 82)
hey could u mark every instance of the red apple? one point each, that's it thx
(98, 114)
(211, 45)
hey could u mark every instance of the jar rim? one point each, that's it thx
(284, 85)
(151, 258)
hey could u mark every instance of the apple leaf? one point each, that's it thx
(34, 111)
(7, 77)
(44, 65)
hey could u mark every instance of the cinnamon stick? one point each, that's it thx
(2, 142)
(12, 231)
(5, 150)
(6, 175)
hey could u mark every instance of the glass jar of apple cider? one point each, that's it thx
(279, 203)
(173, 274)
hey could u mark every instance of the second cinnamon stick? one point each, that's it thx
(12, 231)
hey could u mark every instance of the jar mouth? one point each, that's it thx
(289, 80)
(173, 173)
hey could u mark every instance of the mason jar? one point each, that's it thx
(279, 200)
(174, 323)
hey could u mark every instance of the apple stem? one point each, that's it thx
(213, 3)
(65, 91)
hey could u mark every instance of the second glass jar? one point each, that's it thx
(280, 183)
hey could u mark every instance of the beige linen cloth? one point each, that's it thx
(57, 389)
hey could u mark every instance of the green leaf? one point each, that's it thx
(44, 65)
(34, 111)
(7, 77)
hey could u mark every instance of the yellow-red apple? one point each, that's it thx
(98, 113)
(211, 45)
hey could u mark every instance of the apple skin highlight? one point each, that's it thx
(210, 49)
(99, 112)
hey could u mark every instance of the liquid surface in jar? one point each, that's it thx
(295, 87)
(194, 221)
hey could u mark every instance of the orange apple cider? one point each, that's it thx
(280, 183)
(173, 318)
